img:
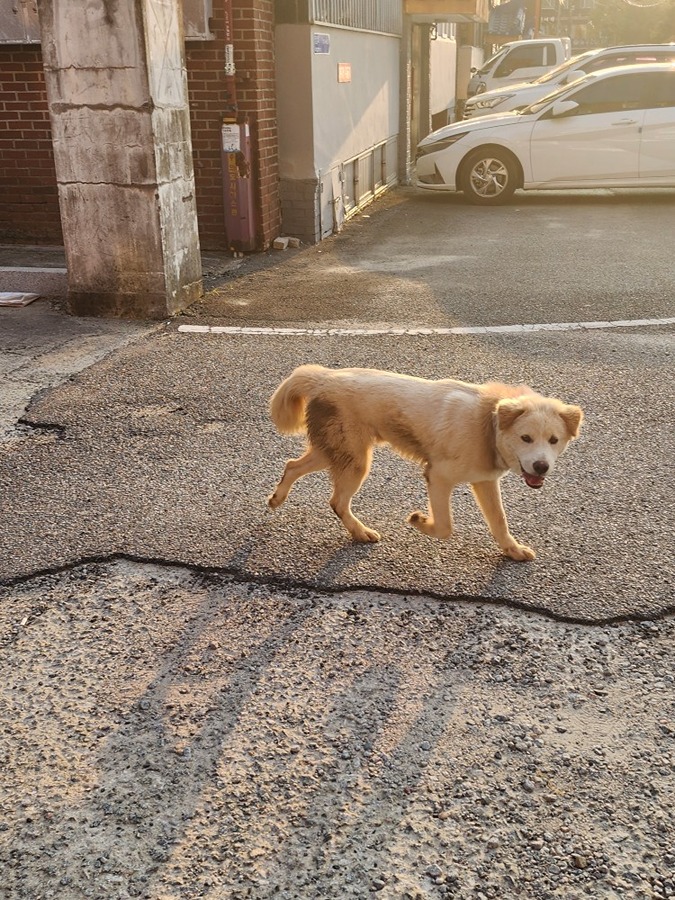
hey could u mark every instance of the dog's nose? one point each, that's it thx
(540, 467)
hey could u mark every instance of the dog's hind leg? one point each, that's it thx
(439, 521)
(347, 479)
(311, 461)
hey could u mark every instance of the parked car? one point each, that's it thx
(613, 128)
(518, 61)
(517, 96)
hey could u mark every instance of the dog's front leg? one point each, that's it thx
(439, 521)
(489, 499)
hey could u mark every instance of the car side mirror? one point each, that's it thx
(564, 108)
(572, 76)
(473, 70)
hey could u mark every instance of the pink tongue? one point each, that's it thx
(533, 480)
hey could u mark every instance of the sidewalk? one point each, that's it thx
(40, 345)
(42, 269)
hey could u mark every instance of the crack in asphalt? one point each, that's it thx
(291, 585)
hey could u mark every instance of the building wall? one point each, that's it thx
(324, 124)
(253, 27)
(443, 78)
(350, 118)
(29, 211)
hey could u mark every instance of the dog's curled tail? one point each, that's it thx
(288, 402)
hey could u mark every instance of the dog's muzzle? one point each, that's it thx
(533, 481)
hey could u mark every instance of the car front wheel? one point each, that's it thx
(488, 177)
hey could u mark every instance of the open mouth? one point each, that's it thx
(533, 481)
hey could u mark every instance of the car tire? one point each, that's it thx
(489, 177)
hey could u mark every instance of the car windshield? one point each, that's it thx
(574, 63)
(487, 65)
(540, 104)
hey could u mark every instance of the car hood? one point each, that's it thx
(484, 123)
(500, 91)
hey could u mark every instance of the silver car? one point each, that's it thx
(518, 96)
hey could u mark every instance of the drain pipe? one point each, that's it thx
(230, 71)
(236, 155)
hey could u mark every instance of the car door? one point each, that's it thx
(657, 148)
(599, 142)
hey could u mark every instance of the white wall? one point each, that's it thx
(350, 118)
(324, 123)
(443, 74)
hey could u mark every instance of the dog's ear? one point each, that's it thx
(572, 416)
(508, 411)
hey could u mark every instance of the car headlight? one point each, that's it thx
(437, 146)
(491, 102)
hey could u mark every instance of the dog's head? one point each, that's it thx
(532, 431)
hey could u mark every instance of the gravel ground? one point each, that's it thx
(166, 733)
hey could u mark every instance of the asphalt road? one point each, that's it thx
(201, 698)
(164, 450)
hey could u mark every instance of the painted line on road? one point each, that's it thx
(460, 329)
(33, 270)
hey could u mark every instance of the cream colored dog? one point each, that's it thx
(460, 432)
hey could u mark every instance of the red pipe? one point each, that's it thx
(231, 107)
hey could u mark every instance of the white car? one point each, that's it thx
(614, 128)
(516, 96)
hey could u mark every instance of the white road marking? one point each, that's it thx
(460, 329)
(32, 270)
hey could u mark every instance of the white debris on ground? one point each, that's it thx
(16, 298)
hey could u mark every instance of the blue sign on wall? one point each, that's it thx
(321, 42)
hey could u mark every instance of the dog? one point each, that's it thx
(461, 433)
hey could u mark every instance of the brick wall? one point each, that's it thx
(29, 210)
(256, 87)
(253, 27)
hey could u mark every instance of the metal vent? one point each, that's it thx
(368, 15)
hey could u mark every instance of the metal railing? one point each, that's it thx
(366, 15)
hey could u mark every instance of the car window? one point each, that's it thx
(664, 90)
(577, 62)
(540, 104)
(521, 58)
(487, 65)
(604, 62)
(639, 90)
(549, 54)
(635, 57)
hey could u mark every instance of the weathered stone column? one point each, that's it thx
(117, 91)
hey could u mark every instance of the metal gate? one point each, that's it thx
(355, 182)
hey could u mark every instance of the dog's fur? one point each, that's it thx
(460, 433)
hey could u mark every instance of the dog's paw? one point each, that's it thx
(366, 536)
(420, 521)
(519, 552)
(273, 501)
(423, 523)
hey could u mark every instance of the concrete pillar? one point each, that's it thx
(117, 92)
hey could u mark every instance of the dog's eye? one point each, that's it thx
(553, 440)
(526, 438)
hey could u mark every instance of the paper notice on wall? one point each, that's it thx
(321, 42)
(231, 138)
